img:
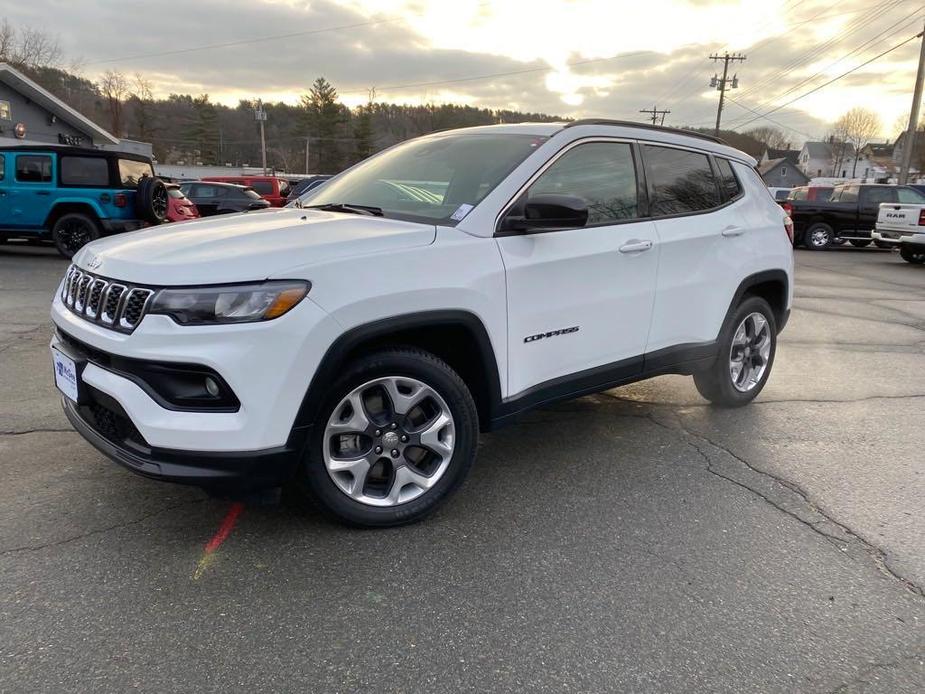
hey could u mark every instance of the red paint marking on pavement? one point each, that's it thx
(224, 530)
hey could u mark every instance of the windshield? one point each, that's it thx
(251, 193)
(435, 179)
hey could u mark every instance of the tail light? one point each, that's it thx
(788, 208)
(788, 227)
(922, 217)
(120, 200)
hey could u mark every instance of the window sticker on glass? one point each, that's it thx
(461, 212)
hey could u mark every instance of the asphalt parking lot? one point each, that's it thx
(637, 540)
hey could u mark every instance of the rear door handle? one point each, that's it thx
(733, 231)
(636, 246)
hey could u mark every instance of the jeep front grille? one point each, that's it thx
(115, 305)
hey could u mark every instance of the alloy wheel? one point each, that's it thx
(750, 352)
(819, 238)
(74, 235)
(389, 441)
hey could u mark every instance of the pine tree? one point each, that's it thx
(323, 115)
(363, 132)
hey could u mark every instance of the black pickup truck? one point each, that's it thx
(849, 215)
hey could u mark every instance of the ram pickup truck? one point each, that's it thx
(903, 225)
(849, 215)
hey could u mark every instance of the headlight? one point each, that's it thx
(237, 303)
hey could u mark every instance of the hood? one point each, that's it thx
(245, 247)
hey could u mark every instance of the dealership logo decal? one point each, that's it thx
(551, 333)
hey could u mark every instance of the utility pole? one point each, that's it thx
(307, 138)
(657, 114)
(909, 144)
(721, 83)
(261, 117)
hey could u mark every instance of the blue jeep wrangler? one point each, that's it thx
(71, 196)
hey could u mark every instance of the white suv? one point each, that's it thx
(354, 344)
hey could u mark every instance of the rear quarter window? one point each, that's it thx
(84, 171)
(730, 184)
(131, 171)
(682, 181)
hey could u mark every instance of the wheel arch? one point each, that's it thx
(457, 337)
(63, 207)
(771, 285)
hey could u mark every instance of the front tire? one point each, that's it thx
(73, 231)
(395, 437)
(818, 236)
(860, 243)
(747, 345)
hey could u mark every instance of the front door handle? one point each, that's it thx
(636, 246)
(733, 231)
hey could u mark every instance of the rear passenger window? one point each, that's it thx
(84, 171)
(262, 187)
(601, 173)
(730, 184)
(33, 168)
(681, 181)
(905, 195)
(874, 196)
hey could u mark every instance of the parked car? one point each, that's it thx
(820, 193)
(222, 198)
(779, 194)
(355, 346)
(271, 188)
(306, 184)
(849, 215)
(71, 196)
(179, 207)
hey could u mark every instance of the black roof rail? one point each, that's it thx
(644, 126)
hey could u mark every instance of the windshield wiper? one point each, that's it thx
(348, 208)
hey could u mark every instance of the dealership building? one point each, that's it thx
(31, 115)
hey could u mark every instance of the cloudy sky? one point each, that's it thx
(577, 58)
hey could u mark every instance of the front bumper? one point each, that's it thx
(248, 470)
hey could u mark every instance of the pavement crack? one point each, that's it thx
(49, 430)
(99, 531)
(862, 678)
(820, 522)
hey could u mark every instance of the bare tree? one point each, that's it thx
(114, 88)
(143, 101)
(770, 137)
(857, 127)
(28, 48)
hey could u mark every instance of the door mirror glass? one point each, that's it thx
(549, 211)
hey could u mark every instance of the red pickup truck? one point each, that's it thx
(270, 188)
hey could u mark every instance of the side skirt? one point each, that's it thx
(682, 359)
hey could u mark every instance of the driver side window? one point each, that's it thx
(603, 174)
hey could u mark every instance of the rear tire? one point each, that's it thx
(860, 243)
(369, 464)
(818, 236)
(747, 345)
(912, 256)
(73, 231)
(884, 245)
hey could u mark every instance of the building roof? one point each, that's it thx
(44, 98)
(764, 168)
(824, 150)
(791, 155)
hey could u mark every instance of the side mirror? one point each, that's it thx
(547, 212)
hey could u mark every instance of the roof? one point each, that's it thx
(645, 126)
(880, 150)
(44, 98)
(824, 150)
(74, 151)
(770, 165)
(791, 155)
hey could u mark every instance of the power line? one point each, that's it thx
(834, 79)
(243, 42)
